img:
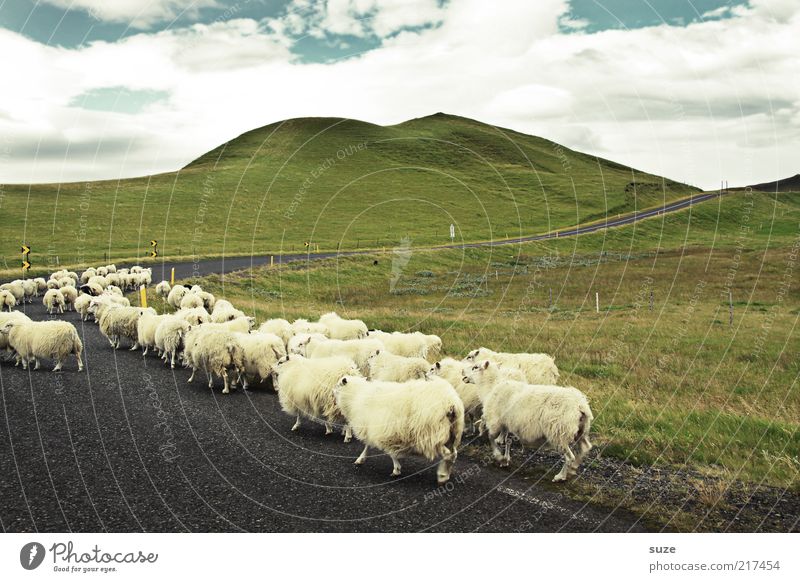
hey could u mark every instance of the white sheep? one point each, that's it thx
(176, 295)
(410, 345)
(114, 290)
(191, 301)
(343, 329)
(30, 289)
(238, 325)
(220, 315)
(423, 417)
(223, 304)
(102, 271)
(536, 414)
(163, 289)
(53, 300)
(81, 305)
(113, 279)
(305, 326)
(53, 283)
(260, 353)
(86, 275)
(10, 316)
(383, 365)
(43, 339)
(70, 296)
(120, 322)
(537, 368)
(215, 352)
(317, 346)
(451, 370)
(41, 285)
(98, 280)
(92, 289)
(280, 327)
(111, 268)
(7, 300)
(306, 388)
(194, 316)
(169, 337)
(146, 327)
(16, 289)
(209, 301)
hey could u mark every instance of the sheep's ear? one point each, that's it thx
(486, 364)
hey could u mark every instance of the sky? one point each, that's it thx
(698, 91)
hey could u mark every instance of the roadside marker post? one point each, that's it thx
(453, 233)
(172, 277)
(143, 296)
(271, 260)
(597, 302)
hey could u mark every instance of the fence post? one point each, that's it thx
(651, 299)
(597, 302)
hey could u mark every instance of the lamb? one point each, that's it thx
(16, 289)
(92, 289)
(113, 279)
(111, 268)
(316, 346)
(170, 337)
(97, 280)
(81, 305)
(121, 322)
(102, 271)
(216, 352)
(209, 301)
(343, 329)
(163, 289)
(296, 343)
(7, 300)
(98, 305)
(53, 300)
(410, 345)
(423, 417)
(280, 327)
(537, 368)
(114, 290)
(306, 388)
(176, 295)
(53, 283)
(383, 365)
(238, 325)
(70, 295)
(260, 353)
(43, 339)
(557, 415)
(451, 370)
(41, 285)
(222, 304)
(191, 301)
(87, 274)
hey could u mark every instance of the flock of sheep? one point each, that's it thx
(392, 391)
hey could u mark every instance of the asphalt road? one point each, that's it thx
(129, 445)
(188, 270)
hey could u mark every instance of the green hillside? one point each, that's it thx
(335, 183)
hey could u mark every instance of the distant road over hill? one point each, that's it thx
(786, 185)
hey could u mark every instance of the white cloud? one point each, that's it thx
(141, 14)
(713, 100)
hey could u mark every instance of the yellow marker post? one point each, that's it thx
(172, 277)
(271, 260)
(143, 296)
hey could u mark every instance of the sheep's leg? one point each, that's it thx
(57, 368)
(194, 371)
(494, 437)
(396, 463)
(348, 433)
(226, 389)
(144, 350)
(569, 459)
(296, 423)
(445, 465)
(328, 428)
(134, 347)
(36, 361)
(363, 456)
(80, 361)
(584, 446)
(172, 360)
(507, 456)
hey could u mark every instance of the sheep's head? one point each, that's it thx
(471, 374)
(6, 327)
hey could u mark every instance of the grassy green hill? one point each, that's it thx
(333, 182)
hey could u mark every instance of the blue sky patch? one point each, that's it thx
(118, 99)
